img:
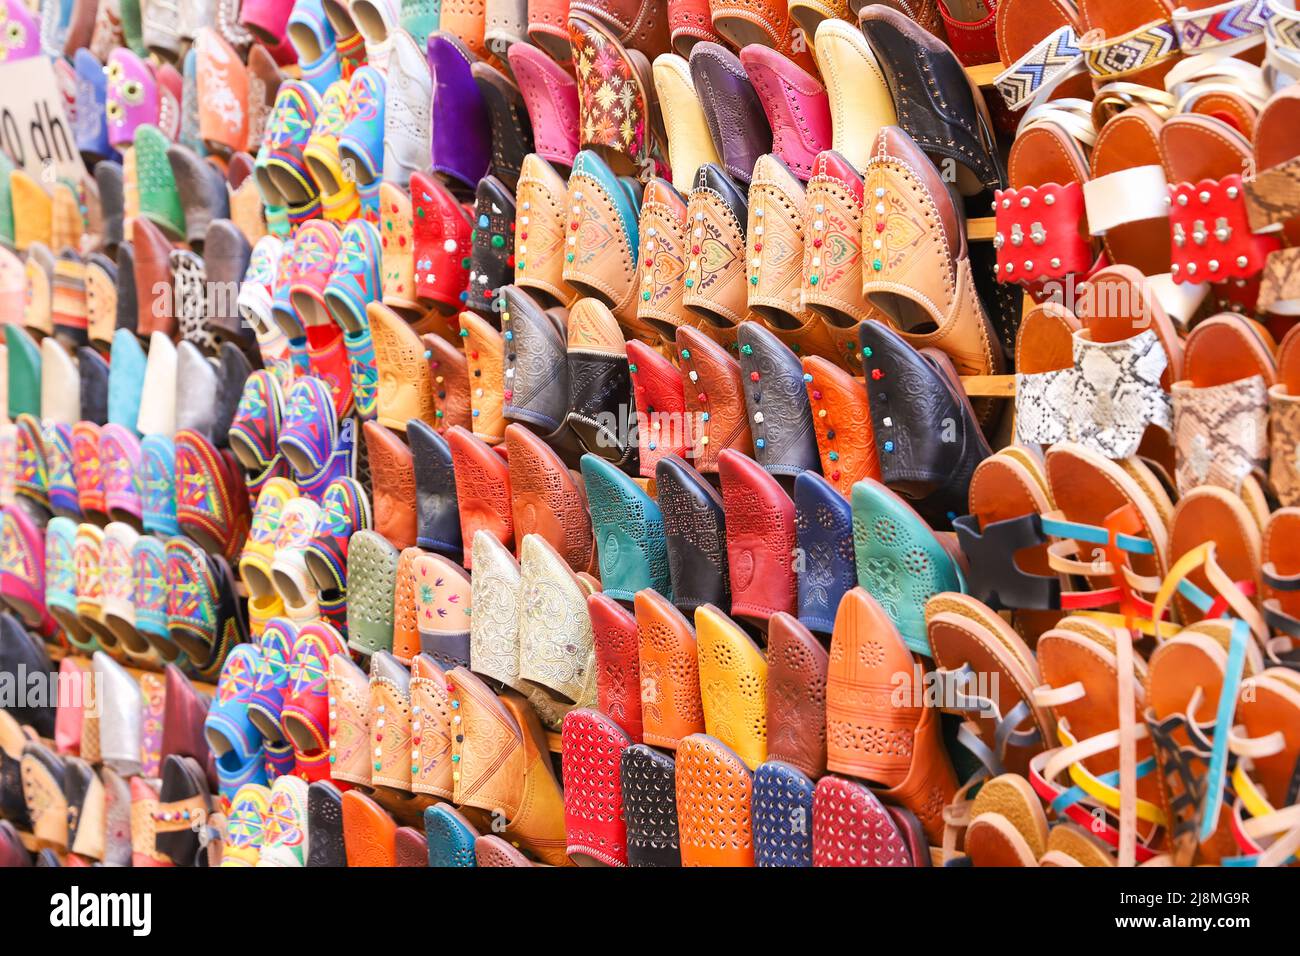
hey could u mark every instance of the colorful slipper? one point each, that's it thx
(824, 532)
(714, 790)
(782, 816)
(437, 517)
(733, 681)
(598, 381)
(618, 677)
(372, 573)
(671, 707)
(450, 837)
(851, 827)
(483, 492)
(440, 243)
(442, 610)
(593, 806)
(628, 529)
(760, 519)
(546, 499)
(648, 782)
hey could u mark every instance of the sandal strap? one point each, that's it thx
(1071, 114)
(1225, 29)
(1130, 53)
(1282, 36)
(1032, 78)
(1197, 76)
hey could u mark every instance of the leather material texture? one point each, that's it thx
(909, 397)
(846, 440)
(714, 793)
(442, 608)
(450, 837)
(717, 215)
(732, 108)
(760, 539)
(671, 708)
(437, 514)
(556, 652)
(824, 532)
(601, 248)
(795, 103)
(369, 833)
(325, 825)
(660, 403)
(593, 792)
(542, 203)
(598, 381)
(733, 685)
(780, 417)
(536, 372)
(629, 531)
(547, 499)
(695, 527)
(715, 399)
(796, 699)
(782, 816)
(483, 492)
(485, 358)
(648, 781)
(372, 574)
(618, 668)
(392, 470)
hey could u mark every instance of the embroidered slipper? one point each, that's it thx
(31, 477)
(442, 610)
(131, 98)
(550, 95)
(461, 148)
(405, 380)
(339, 193)
(390, 722)
(23, 569)
(149, 596)
(494, 626)
(556, 652)
(714, 789)
(483, 493)
(602, 246)
(282, 175)
(431, 735)
(349, 721)
(203, 617)
(305, 711)
(344, 509)
(648, 782)
(60, 581)
(289, 573)
(492, 244)
(662, 261)
(441, 239)
(485, 355)
(546, 498)
(312, 36)
(90, 127)
(271, 677)
(117, 568)
(285, 833)
(451, 837)
(361, 139)
(211, 500)
(353, 279)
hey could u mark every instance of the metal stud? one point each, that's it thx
(1203, 196)
(1037, 233)
(1242, 262)
(1024, 202)
(1049, 199)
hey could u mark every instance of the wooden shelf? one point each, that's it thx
(985, 73)
(982, 229)
(989, 386)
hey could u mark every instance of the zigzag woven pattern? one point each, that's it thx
(1045, 63)
(1200, 30)
(1128, 54)
(1282, 29)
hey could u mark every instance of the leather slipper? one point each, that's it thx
(431, 730)
(626, 137)
(349, 721)
(324, 840)
(372, 571)
(405, 382)
(796, 701)
(629, 531)
(733, 677)
(689, 136)
(662, 260)
(547, 499)
(719, 77)
(556, 651)
(407, 108)
(392, 468)
(618, 669)
(184, 808)
(695, 527)
(782, 812)
(824, 533)
(846, 441)
(714, 790)
(671, 706)
(494, 626)
(483, 492)
(648, 782)
(536, 371)
(603, 236)
(714, 391)
(437, 510)
(661, 406)
(796, 105)
(43, 776)
(441, 242)
(285, 833)
(832, 284)
(550, 96)
(598, 381)
(512, 134)
(593, 805)
(717, 215)
(760, 531)
(449, 369)
(369, 833)
(462, 144)
(390, 722)
(864, 646)
(788, 446)
(450, 837)
(23, 570)
(485, 357)
(851, 827)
